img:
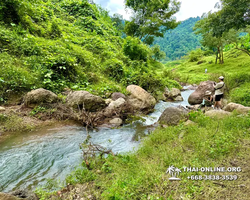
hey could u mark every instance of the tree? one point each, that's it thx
(157, 53)
(239, 42)
(151, 18)
(118, 22)
(209, 40)
(233, 14)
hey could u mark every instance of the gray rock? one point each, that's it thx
(197, 96)
(139, 98)
(116, 104)
(38, 96)
(217, 114)
(2, 109)
(108, 101)
(24, 194)
(4, 196)
(234, 106)
(172, 116)
(179, 98)
(189, 123)
(89, 101)
(175, 93)
(117, 95)
(116, 121)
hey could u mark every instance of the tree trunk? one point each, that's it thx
(222, 57)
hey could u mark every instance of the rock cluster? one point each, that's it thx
(85, 100)
(172, 95)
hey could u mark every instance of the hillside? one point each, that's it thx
(235, 70)
(178, 42)
(71, 44)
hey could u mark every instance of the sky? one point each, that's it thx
(189, 8)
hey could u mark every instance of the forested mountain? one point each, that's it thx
(178, 42)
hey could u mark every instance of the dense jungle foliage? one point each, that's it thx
(178, 42)
(57, 44)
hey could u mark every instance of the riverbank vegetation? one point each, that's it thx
(70, 44)
(142, 175)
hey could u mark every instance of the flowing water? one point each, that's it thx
(27, 160)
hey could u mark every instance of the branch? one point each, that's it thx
(244, 50)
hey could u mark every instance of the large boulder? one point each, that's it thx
(38, 96)
(234, 106)
(217, 114)
(197, 96)
(172, 116)
(86, 100)
(117, 95)
(140, 99)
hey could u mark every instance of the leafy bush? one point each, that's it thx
(135, 50)
(195, 55)
(114, 69)
(241, 94)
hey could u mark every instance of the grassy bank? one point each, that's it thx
(236, 71)
(142, 175)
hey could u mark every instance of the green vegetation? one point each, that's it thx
(142, 175)
(178, 42)
(235, 70)
(57, 44)
(151, 19)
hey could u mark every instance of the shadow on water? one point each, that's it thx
(27, 160)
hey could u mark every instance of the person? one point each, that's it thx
(219, 91)
(205, 70)
(207, 100)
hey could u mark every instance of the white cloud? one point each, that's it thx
(194, 8)
(189, 8)
(115, 6)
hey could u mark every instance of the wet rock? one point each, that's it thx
(172, 116)
(217, 114)
(197, 96)
(234, 106)
(38, 96)
(24, 194)
(173, 95)
(117, 95)
(140, 99)
(2, 109)
(84, 99)
(179, 98)
(4, 196)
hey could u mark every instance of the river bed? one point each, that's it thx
(28, 160)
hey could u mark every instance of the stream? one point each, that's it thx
(28, 160)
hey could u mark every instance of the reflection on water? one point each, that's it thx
(27, 160)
